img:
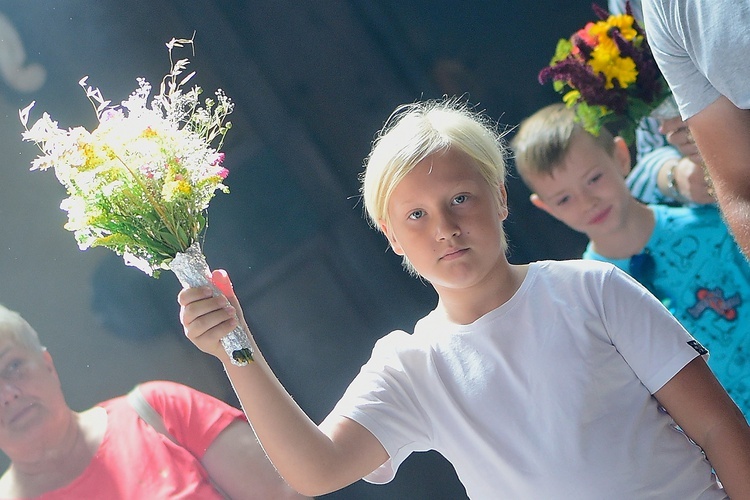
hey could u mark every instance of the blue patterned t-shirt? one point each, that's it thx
(700, 274)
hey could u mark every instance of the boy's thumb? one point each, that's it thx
(221, 280)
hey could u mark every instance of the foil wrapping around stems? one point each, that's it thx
(192, 270)
(666, 109)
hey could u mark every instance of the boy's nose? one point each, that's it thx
(590, 199)
(446, 228)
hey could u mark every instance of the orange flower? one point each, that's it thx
(587, 36)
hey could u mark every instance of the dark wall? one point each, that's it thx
(312, 83)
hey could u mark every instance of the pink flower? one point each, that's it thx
(222, 172)
(110, 114)
(218, 160)
(146, 171)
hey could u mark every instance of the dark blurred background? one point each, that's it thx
(312, 82)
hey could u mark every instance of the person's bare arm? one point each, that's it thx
(313, 462)
(722, 133)
(703, 409)
(238, 466)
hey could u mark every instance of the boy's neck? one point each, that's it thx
(466, 305)
(637, 229)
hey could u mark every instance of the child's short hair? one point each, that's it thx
(14, 326)
(543, 139)
(415, 131)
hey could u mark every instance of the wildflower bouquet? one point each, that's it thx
(140, 183)
(606, 71)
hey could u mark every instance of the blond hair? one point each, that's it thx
(418, 130)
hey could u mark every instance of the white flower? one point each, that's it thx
(138, 263)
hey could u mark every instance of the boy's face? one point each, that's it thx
(587, 190)
(444, 217)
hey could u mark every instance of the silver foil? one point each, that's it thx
(667, 109)
(192, 270)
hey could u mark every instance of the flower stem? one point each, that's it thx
(154, 204)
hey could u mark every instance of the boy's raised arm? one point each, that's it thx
(312, 461)
(702, 408)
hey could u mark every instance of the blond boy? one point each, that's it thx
(532, 380)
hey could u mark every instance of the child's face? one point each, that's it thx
(445, 218)
(587, 190)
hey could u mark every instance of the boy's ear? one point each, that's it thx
(391, 238)
(503, 212)
(622, 156)
(538, 203)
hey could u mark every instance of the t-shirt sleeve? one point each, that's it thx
(653, 343)
(194, 418)
(700, 68)
(642, 180)
(382, 399)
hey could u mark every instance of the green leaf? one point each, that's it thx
(562, 50)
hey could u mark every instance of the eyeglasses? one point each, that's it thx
(642, 267)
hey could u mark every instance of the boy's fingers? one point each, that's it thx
(188, 295)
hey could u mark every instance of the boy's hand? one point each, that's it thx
(207, 318)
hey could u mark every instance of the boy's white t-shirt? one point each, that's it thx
(547, 396)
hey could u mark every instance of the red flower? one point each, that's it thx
(585, 36)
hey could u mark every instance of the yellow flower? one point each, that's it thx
(149, 133)
(625, 23)
(602, 31)
(571, 97)
(90, 154)
(612, 65)
(172, 189)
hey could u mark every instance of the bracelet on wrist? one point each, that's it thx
(673, 191)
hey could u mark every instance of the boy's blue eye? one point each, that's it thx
(416, 214)
(459, 199)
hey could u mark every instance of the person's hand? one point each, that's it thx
(678, 135)
(207, 318)
(692, 182)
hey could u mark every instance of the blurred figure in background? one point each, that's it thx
(193, 446)
(669, 168)
(701, 47)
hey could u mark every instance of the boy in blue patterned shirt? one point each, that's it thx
(685, 256)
